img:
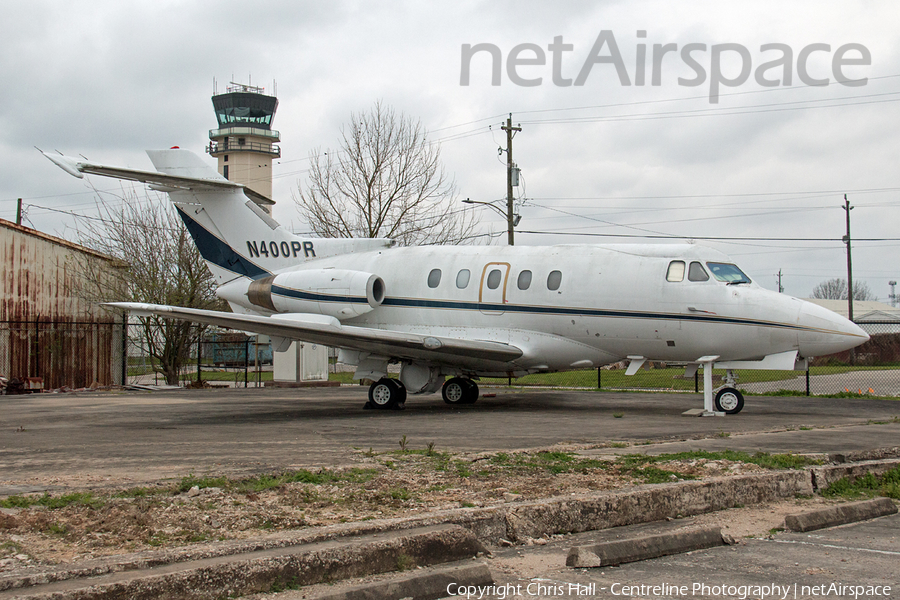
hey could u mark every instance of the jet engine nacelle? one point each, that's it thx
(338, 293)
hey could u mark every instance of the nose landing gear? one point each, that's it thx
(729, 401)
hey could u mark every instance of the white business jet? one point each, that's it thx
(451, 314)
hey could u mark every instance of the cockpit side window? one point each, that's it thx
(676, 271)
(727, 272)
(696, 272)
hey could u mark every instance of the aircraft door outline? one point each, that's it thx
(492, 289)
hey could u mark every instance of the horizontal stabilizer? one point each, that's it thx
(78, 168)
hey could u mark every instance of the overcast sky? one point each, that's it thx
(768, 164)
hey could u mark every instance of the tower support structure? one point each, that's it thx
(244, 142)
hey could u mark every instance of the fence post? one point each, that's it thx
(199, 342)
(125, 348)
(246, 361)
(807, 378)
(599, 370)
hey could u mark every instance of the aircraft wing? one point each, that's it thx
(328, 331)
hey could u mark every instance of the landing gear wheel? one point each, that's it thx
(460, 390)
(454, 390)
(386, 393)
(729, 401)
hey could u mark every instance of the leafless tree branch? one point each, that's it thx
(386, 180)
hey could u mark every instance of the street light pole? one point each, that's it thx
(511, 219)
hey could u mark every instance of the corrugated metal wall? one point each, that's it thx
(49, 328)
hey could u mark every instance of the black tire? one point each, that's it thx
(455, 391)
(386, 393)
(471, 392)
(729, 401)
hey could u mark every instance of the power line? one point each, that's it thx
(705, 238)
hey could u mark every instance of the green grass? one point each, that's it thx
(53, 502)
(267, 482)
(141, 492)
(641, 466)
(867, 486)
(763, 459)
(670, 378)
(656, 475)
(552, 462)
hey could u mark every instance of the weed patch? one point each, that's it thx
(763, 459)
(262, 483)
(867, 486)
(53, 502)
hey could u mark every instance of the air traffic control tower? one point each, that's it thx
(244, 142)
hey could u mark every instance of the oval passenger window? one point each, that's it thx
(462, 279)
(524, 280)
(553, 280)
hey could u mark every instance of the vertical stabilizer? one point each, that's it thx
(234, 235)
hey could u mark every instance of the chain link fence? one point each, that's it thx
(216, 359)
(73, 355)
(46, 355)
(870, 369)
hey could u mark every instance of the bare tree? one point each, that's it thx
(164, 267)
(836, 289)
(385, 181)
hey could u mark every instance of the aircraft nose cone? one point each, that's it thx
(825, 332)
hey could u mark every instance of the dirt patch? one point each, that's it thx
(89, 522)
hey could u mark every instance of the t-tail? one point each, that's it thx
(236, 237)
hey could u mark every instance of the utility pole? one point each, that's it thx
(19, 212)
(847, 208)
(780, 287)
(510, 131)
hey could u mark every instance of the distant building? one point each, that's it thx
(874, 317)
(51, 324)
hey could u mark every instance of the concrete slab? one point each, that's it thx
(261, 570)
(840, 515)
(784, 565)
(644, 547)
(423, 585)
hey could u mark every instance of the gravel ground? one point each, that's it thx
(99, 520)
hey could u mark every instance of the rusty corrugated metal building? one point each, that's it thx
(51, 325)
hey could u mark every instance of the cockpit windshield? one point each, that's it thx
(728, 273)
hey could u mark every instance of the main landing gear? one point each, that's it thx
(460, 390)
(386, 393)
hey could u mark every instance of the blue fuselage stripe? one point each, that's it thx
(524, 309)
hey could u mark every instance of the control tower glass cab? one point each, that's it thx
(244, 142)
